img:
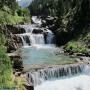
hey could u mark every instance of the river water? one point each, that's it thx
(39, 51)
(80, 82)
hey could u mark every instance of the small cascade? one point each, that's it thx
(36, 20)
(28, 28)
(50, 37)
(25, 39)
(35, 35)
(42, 75)
(37, 39)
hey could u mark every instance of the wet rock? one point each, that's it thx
(29, 87)
(26, 38)
(37, 31)
(18, 64)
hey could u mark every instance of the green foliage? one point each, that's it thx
(75, 47)
(11, 13)
(2, 38)
(5, 65)
(23, 12)
(12, 4)
(43, 7)
(5, 68)
(6, 18)
(86, 39)
(19, 82)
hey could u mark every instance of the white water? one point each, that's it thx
(36, 20)
(36, 39)
(79, 82)
(50, 37)
(50, 79)
(28, 28)
(43, 75)
(22, 36)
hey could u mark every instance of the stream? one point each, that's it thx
(39, 51)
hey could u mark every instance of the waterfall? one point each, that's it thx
(36, 20)
(42, 75)
(35, 34)
(50, 37)
(25, 39)
(28, 28)
(37, 39)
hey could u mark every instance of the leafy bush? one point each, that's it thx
(5, 68)
(5, 64)
(75, 47)
(6, 18)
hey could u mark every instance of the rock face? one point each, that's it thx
(15, 29)
(13, 42)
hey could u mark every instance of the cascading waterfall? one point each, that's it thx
(65, 77)
(25, 39)
(77, 82)
(50, 37)
(32, 39)
(35, 39)
(50, 78)
(36, 20)
(42, 75)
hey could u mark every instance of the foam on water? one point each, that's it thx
(36, 20)
(81, 82)
(41, 46)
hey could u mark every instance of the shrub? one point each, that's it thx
(5, 65)
(5, 68)
(75, 47)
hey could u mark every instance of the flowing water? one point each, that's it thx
(39, 53)
(78, 82)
